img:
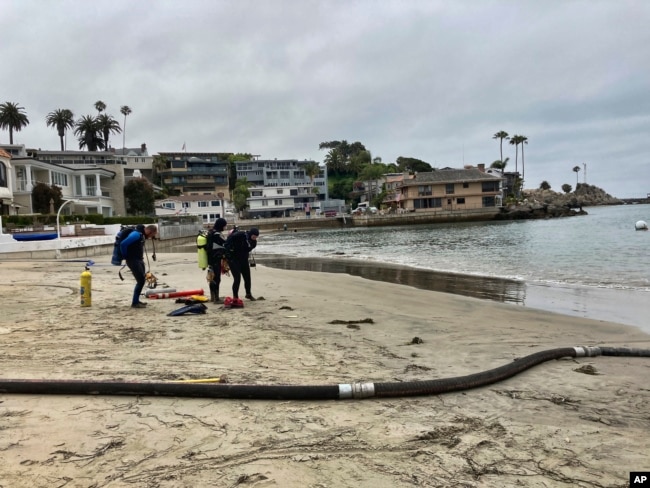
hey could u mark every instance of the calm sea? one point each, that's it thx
(595, 266)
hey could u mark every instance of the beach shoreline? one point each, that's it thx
(567, 422)
(628, 307)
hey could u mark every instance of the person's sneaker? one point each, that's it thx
(251, 298)
(139, 305)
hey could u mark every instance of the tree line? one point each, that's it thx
(92, 131)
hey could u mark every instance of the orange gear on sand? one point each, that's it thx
(225, 268)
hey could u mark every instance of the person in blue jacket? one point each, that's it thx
(132, 248)
(238, 247)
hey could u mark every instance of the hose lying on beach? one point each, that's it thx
(317, 392)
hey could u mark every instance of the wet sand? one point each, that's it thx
(622, 306)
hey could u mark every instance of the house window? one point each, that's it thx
(91, 188)
(460, 201)
(489, 186)
(265, 203)
(3, 175)
(169, 205)
(215, 203)
(489, 202)
(278, 203)
(449, 188)
(186, 204)
(465, 184)
(59, 179)
(424, 190)
(203, 204)
(280, 191)
(427, 203)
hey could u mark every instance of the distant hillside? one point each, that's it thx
(584, 196)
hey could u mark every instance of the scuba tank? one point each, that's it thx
(201, 245)
(85, 286)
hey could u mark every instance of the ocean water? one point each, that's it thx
(595, 265)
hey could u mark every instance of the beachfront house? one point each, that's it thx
(451, 189)
(7, 204)
(279, 187)
(209, 207)
(195, 173)
(96, 187)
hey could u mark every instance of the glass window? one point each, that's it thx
(3, 175)
(490, 186)
(59, 179)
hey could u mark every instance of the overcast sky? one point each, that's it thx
(433, 80)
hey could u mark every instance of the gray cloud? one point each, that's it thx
(432, 80)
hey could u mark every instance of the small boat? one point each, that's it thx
(35, 236)
(641, 225)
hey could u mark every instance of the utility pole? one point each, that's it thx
(584, 174)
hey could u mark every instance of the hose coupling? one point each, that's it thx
(587, 351)
(356, 390)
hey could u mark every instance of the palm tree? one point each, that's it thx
(334, 162)
(312, 169)
(125, 110)
(107, 126)
(501, 135)
(577, 170)
(100, 106)
(62, 119)
(12, 117)
(515, 141)
(500, 164)
(88, 133)
(523, 140)
(159, 164)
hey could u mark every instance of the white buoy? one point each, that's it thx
(641, 225)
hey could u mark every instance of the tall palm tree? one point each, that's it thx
(124, 110)
(100, 106)
(108, 125)
(501, 135)
(515, 141)
(88, 133)
(12, 117)
(523, 140)
(577, 170)
(62, 119)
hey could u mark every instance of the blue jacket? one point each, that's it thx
(132, 247)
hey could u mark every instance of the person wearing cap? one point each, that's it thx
(216, 252)
(238, 248)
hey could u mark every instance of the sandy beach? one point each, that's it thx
(565, 423)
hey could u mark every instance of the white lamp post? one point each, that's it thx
(58, 227)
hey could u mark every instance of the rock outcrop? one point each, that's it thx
(544, 204)
(584, 196)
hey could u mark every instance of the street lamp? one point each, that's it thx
(58, 226)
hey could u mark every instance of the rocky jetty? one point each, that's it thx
(544, 204)
(584, 196)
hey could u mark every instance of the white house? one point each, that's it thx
(208, 207)
(93, 188)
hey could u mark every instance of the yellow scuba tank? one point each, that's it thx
(201, 244)
(85, 288)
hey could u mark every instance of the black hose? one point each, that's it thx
(315, 392)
